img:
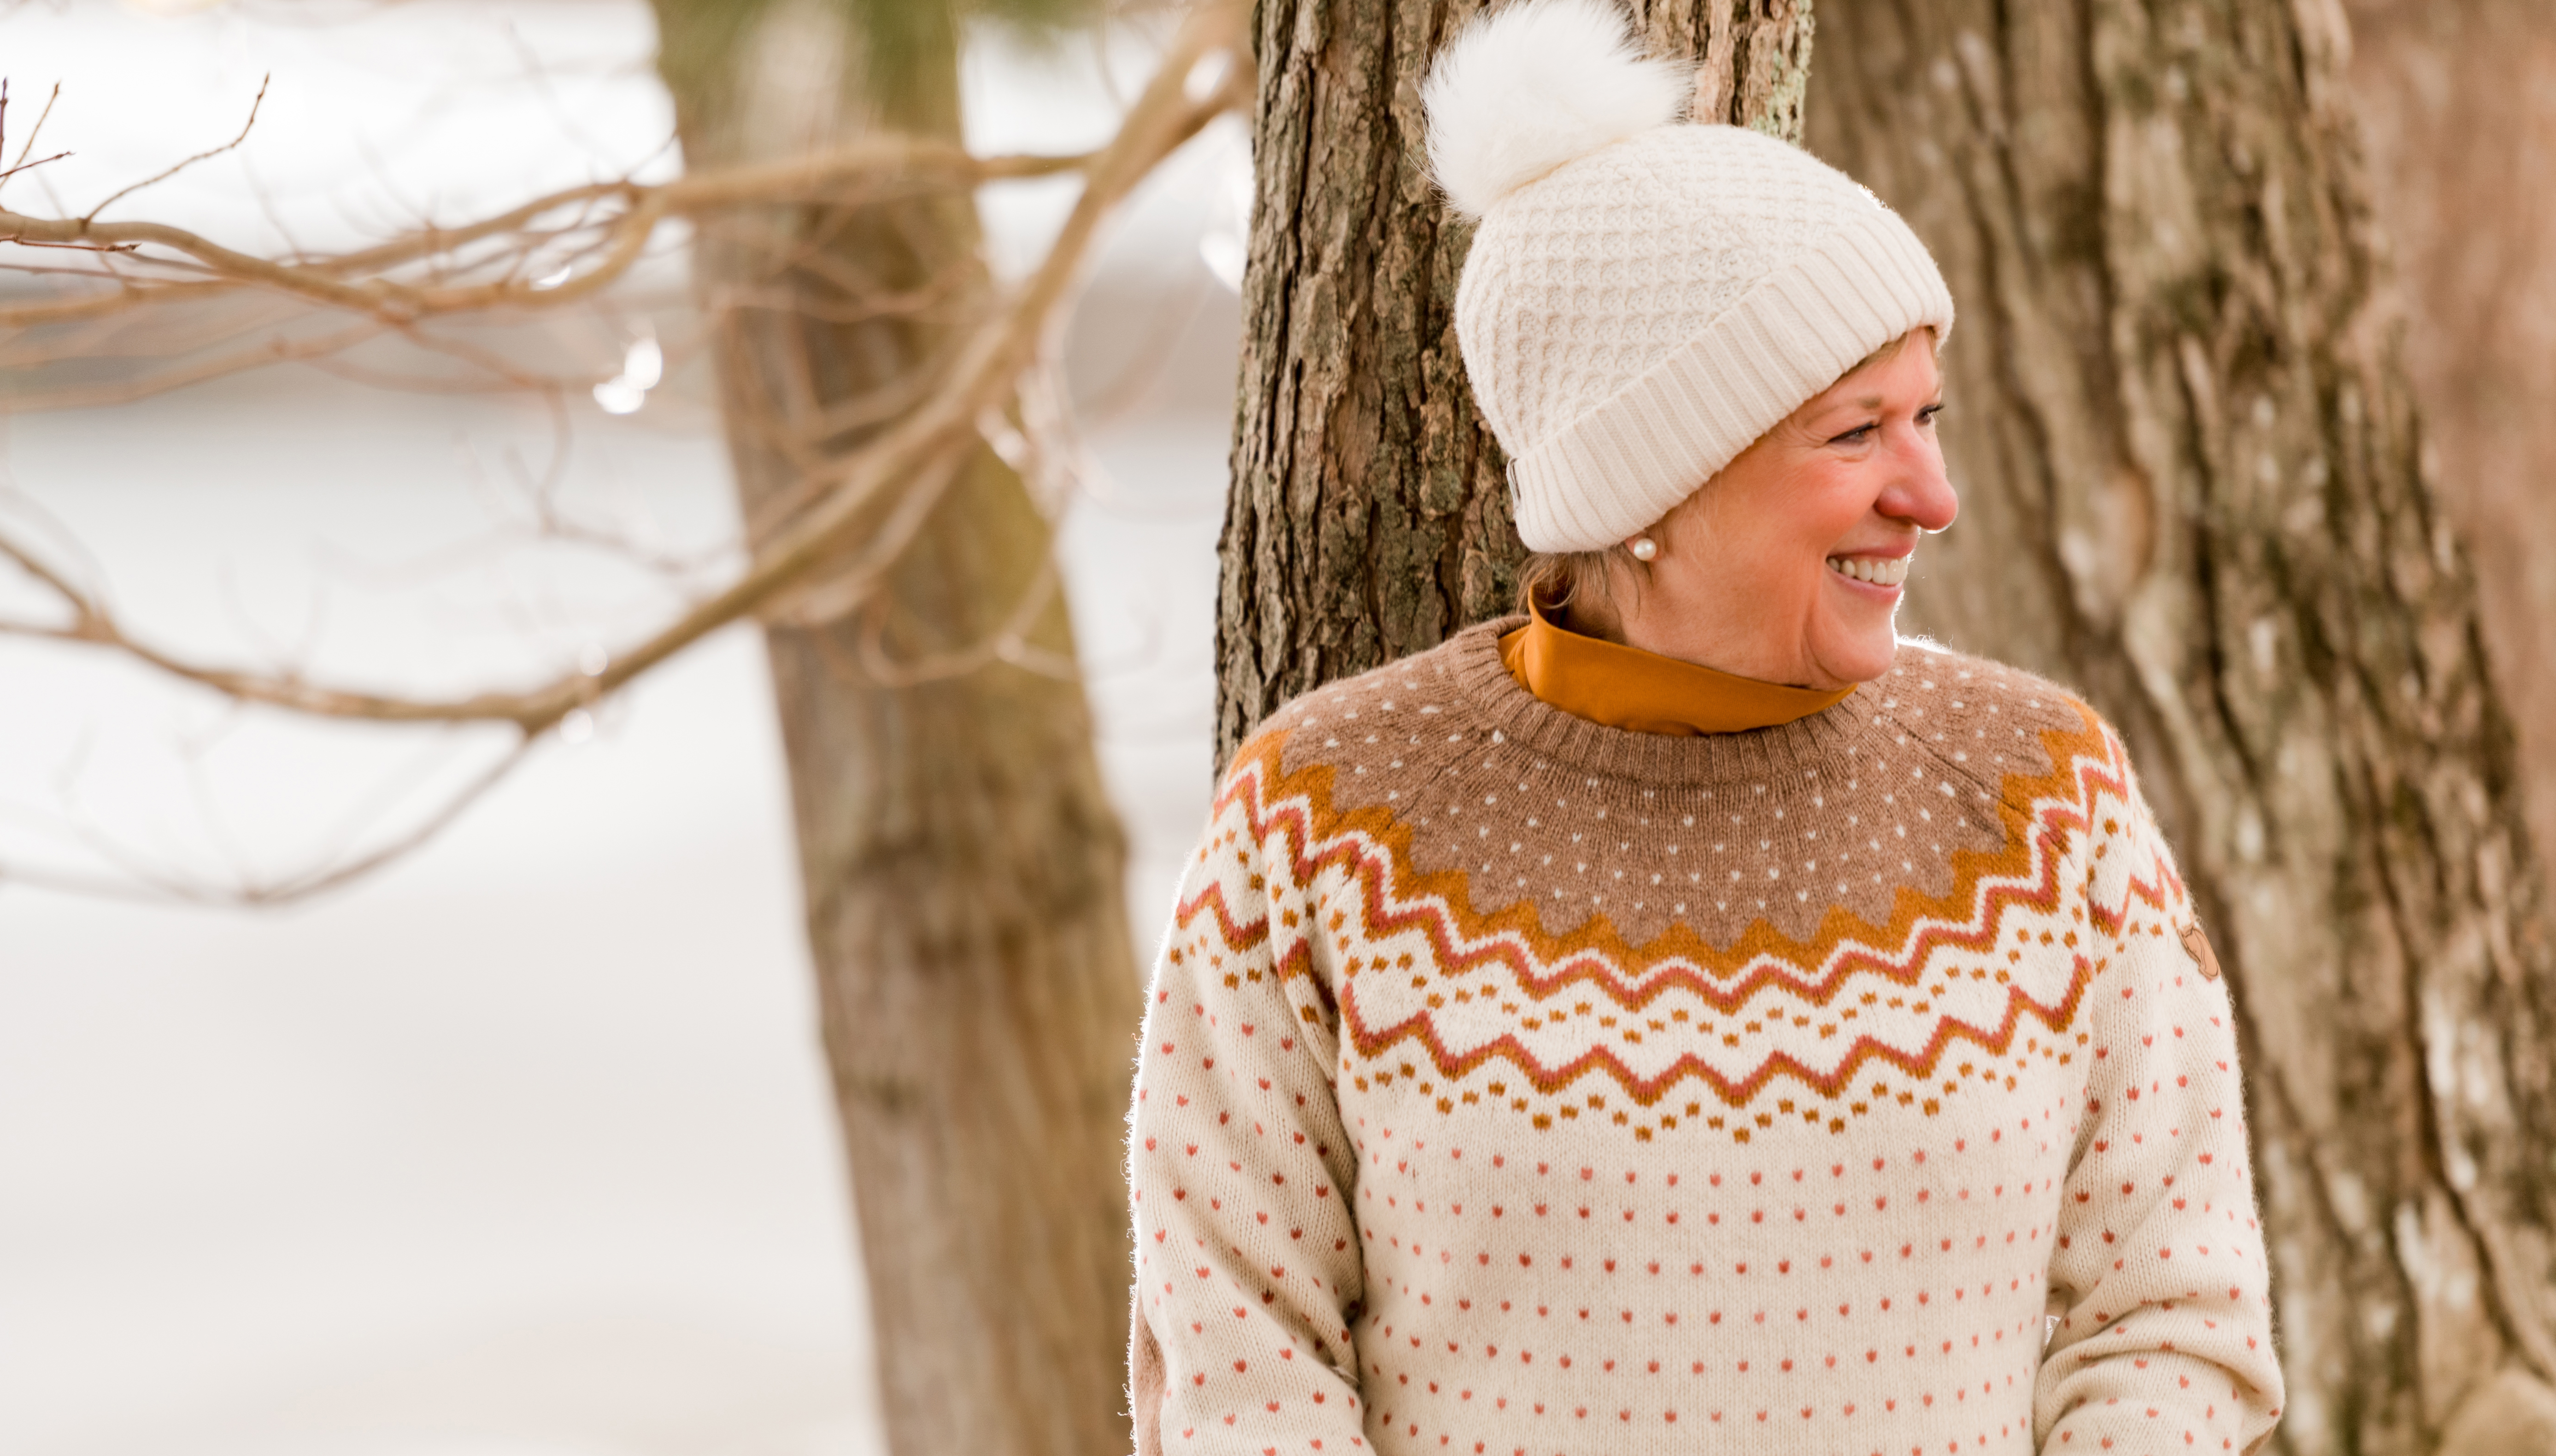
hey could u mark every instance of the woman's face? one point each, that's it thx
(1786, 567)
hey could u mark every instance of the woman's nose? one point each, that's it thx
(1920, 492)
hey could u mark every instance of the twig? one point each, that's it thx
(276, 351)
(24, 241)
(830, 597)
(1007, 643)
(537, 72)
(259, 100)
(318, 881)
(112, 335)
(29, 145)
(141, 882)
(266, 204)
(108, 300)
(39, 162)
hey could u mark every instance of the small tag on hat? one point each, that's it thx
(2197, 946)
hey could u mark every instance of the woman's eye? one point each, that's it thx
(1856, 436)
(1928, 415)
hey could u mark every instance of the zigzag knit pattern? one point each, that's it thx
(1516, 1084)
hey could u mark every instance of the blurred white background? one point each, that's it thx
(521, 1147)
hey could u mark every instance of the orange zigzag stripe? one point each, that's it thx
(1506, 935)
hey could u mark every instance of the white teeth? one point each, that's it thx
(1880, 572)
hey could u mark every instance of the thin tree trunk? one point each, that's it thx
(2193, 485)
(961, 865)
(1368, 520)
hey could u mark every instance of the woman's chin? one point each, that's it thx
(1859, 656)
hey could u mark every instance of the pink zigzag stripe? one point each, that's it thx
(1649, 1089)
(1370, 867)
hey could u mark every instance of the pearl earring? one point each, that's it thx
(1644, 548)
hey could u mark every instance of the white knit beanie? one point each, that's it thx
(1645, 296)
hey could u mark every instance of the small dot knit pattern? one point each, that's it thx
(1516, 1085)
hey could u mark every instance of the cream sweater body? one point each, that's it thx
(1516, 1084)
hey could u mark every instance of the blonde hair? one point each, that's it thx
(1551, 581)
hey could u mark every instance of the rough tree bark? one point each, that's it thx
(2194, 486)
(2458, 98)
(1368, 520)
(960, 861)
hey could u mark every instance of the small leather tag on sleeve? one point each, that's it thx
(2197, 946)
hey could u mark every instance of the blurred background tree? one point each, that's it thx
(962, 863)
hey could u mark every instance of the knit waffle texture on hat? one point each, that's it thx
(1635, 316)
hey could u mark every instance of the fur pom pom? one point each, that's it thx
(1540, 83)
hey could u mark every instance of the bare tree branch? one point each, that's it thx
(1008, 643)
(273, 350)
(104, 302)
(818, 553)
(912, 460)
(113, 198)
(148, 884)
(39, 162)
(358, 282)
(22, 162)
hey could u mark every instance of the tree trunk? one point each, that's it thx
(1369, 517)
(2194, 486)
(962, 865)
(2458, 98)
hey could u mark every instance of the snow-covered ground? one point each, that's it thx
(521, 1148)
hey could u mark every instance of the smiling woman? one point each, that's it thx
(1679, 1008)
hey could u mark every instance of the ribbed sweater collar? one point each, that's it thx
(1627, 688)
(1482, 680)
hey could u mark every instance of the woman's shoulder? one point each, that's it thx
(1981, 683)
(2014, 733)
(1410, 700)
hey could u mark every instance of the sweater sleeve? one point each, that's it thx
(1247, 1261)
(2163, 1338)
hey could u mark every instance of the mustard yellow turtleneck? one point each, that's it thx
(1627, 688)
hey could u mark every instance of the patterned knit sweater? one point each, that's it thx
(1516, 1085)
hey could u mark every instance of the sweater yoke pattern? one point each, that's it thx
(1516, 1085)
